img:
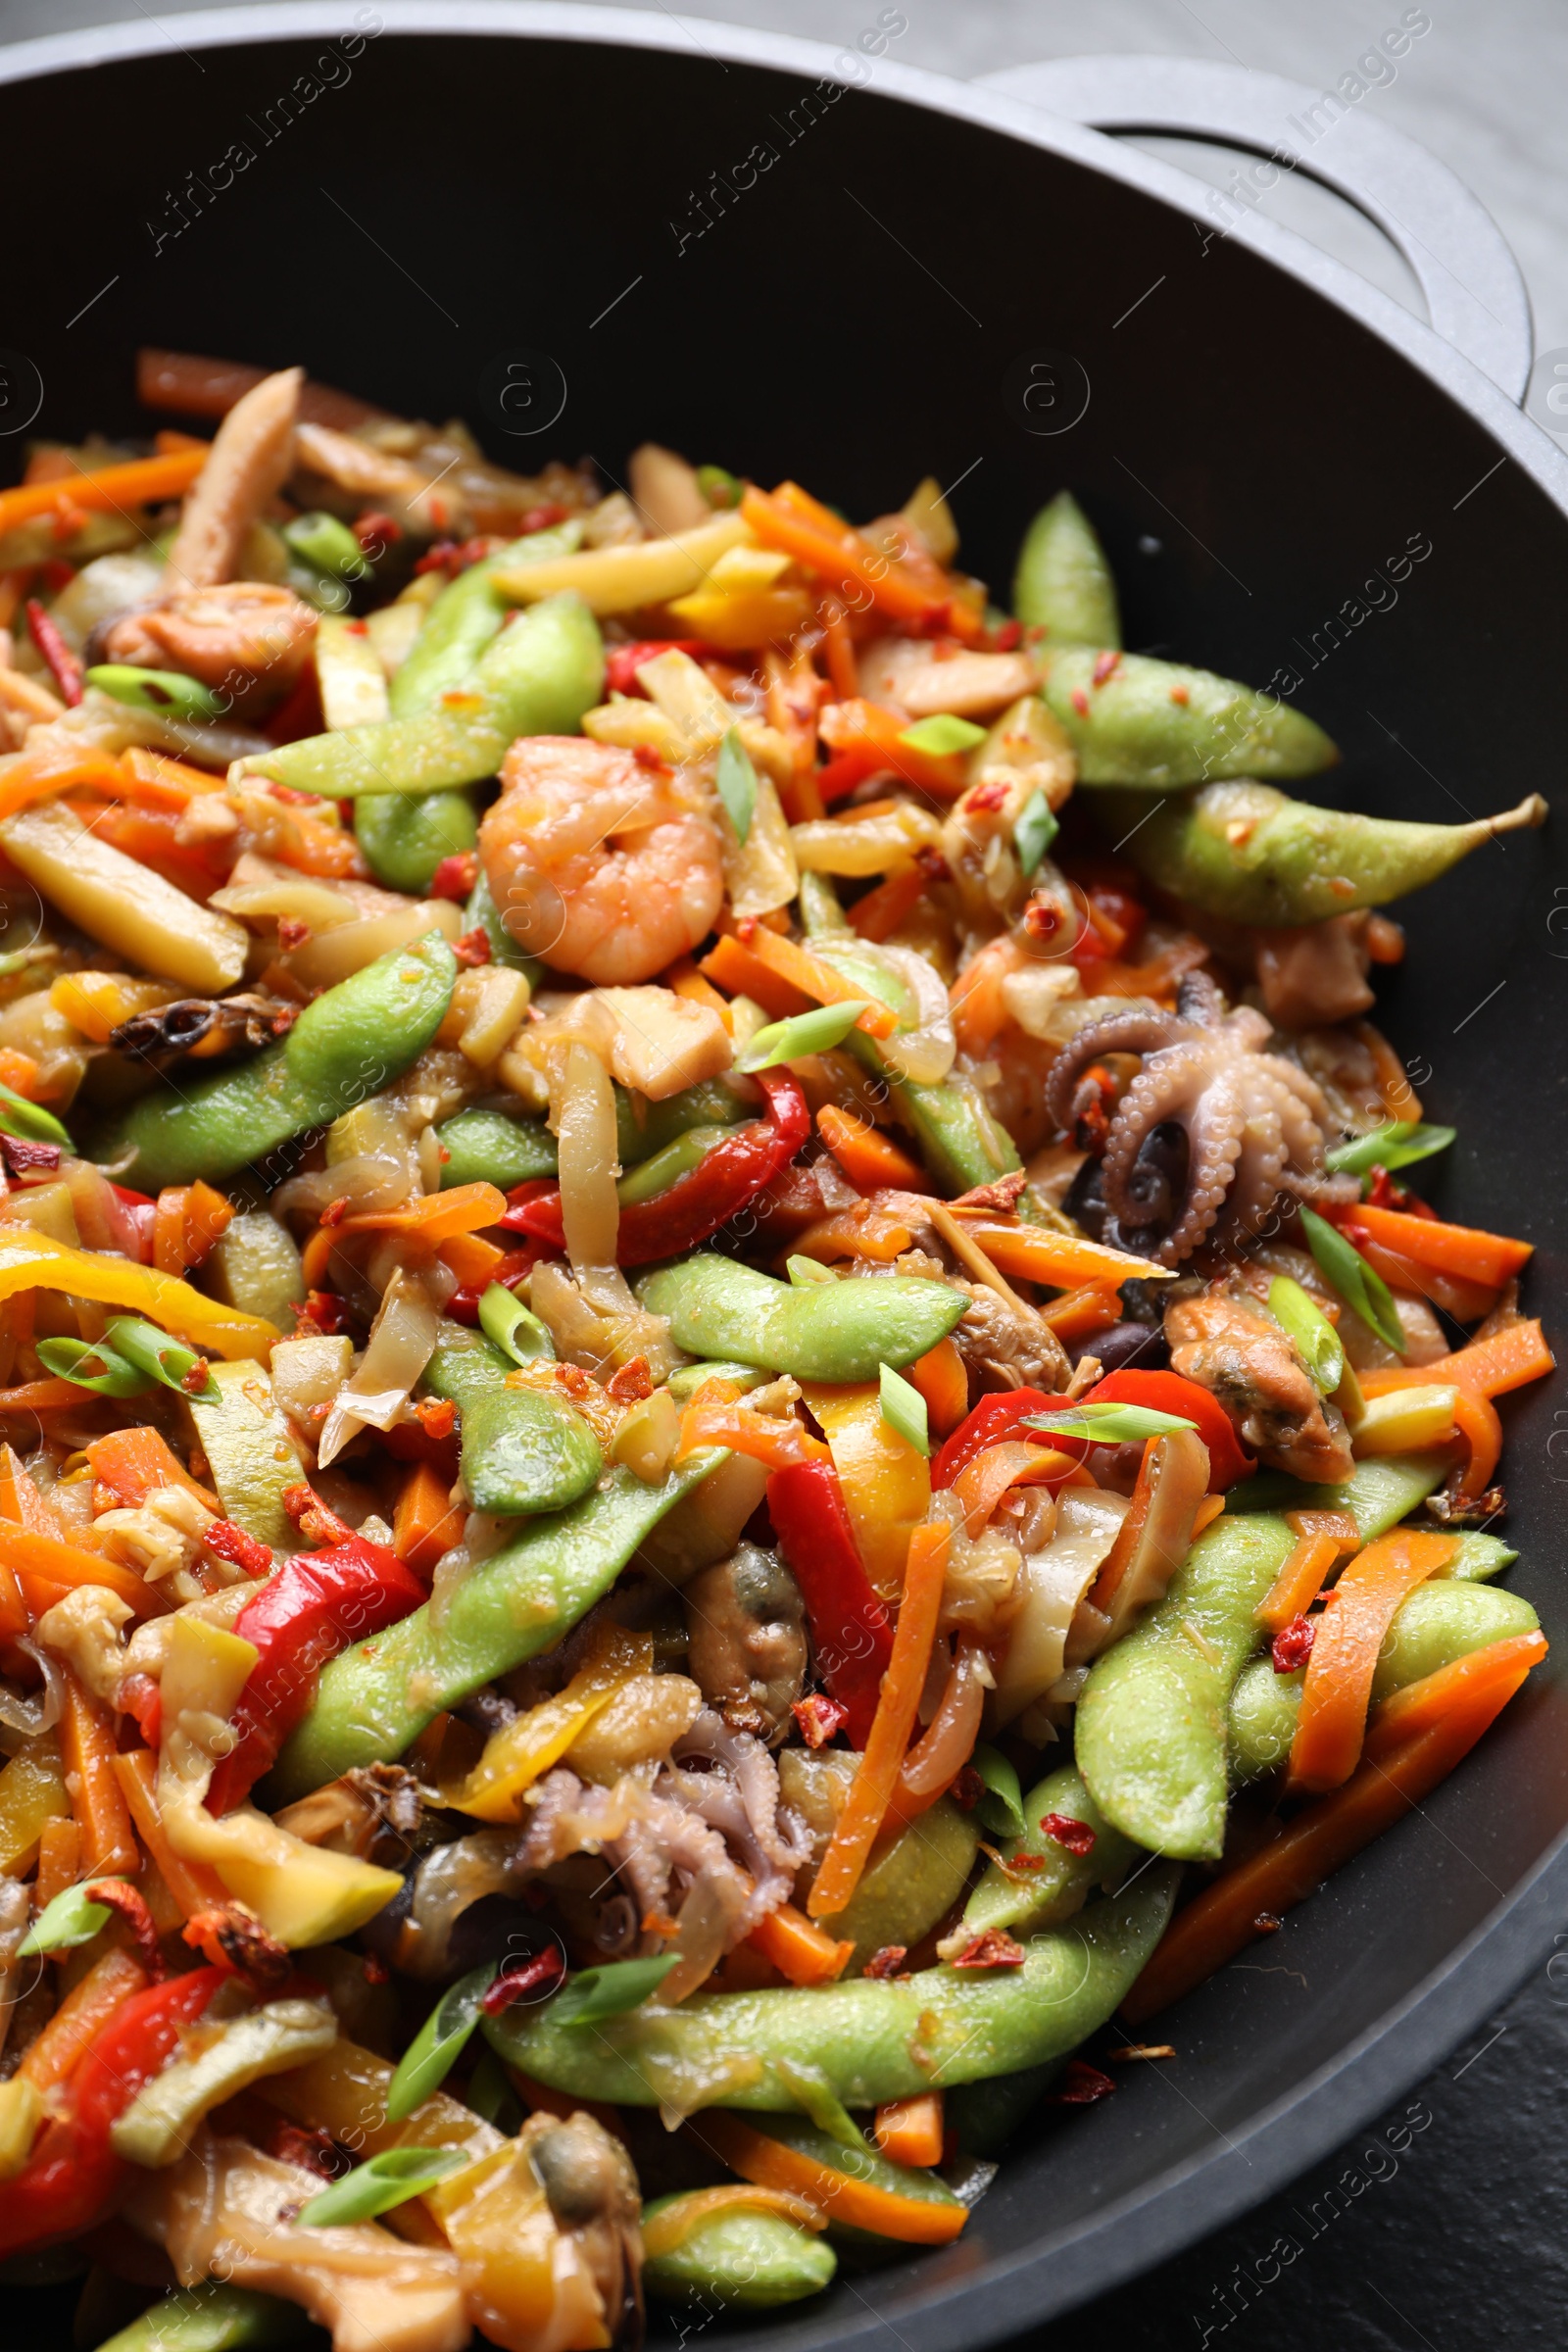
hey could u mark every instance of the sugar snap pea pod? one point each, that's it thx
(1063, 583)
(1160, 725)
(1055, 1879)
(405, 840)
(536, 678)
(1254, 856)
(377, 1697)
(211, 2318)
(524, 1450)
(485, 1146)
(831, 1331)
(1439, 1622)
(346, 1046)
(1152, 1717)
(483, 914)
(1478, 1556)
(642, 1128)
(873, 2038)
(959, 1142)
(743, 2255)
(1378, 1493)
(912, 1886)
(985, 2115)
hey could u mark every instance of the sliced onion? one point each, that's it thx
(1158, 1532)
(1054, 1582)
(23, 1719)
(369, 1181)
(948, 1744)
(585, 1135)
(402, 1342)
(924, 1052)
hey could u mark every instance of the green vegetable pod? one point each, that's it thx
(1151, 1729)
(1160, 725)
(406, 837)
(486, 1147)
(872, 2038)
(743, 2255)
(838, 1331)
(985, 2115)
(349, 1043)
(1055, 1881)
(524, 1450)
(1064, 584)
(906, 1890)
(1252, 855)
(378, 1696)
(211, 2318)
(1439, 1622)
(1378, 1493)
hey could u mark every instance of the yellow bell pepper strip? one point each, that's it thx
(871, 1791)
(30, 1260)
(886, 1483)
(521, 1754)
(32, 1792)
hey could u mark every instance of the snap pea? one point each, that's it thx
(536, 678)
(349, 1043)
(909, 1887)
(485, 1146)
(1439, 1622)
(834, 1331)
(746, 2256)
(378, 1696)
(1378, 1493)
(872, 2038)
(211, 2318)
(1162, 726)
(959, 1142)
(644, 1127)
(1478, 1556)
(1063, 583)
(654, 1175)
(1056, 1885)
(524, 1450)
(1151, 1725)
(985, 2115)
(483, 914)
(821, 916)
(1254, 856)
(405, 835)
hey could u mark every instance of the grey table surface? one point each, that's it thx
(1445, 2225)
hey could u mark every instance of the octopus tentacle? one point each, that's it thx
(1139, 1029)
(1169, 1086)
(1214, 1135)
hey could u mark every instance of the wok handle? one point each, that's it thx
(1475, 293)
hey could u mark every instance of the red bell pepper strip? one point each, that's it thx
(851, 1638)
(318, 1603)
(993, 1420)
(72, 2177)
(1169, 1393)
(698, 1204)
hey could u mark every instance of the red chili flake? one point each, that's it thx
(64, 667)
(1384, 1191)
(818, 1718)
(314, 2152)
(987, 797)
(632, 1383)
(316, 1520)
(377, 1972)
(543, 519)
(1105, 667)
(194, 1382)
(1267, 1923)
(290, 797)
(1018, 1867)
(933, 866)
(1081, 2085)
(355, 628)
(120, 1896)
(437, 558)
(374, 527)
(1006, 638)
(646, 756)
(323, 1311)
(993, 1949)
(474, 948)
(968, 1789)
(1042, 918)
(540, 1974)
(235, 1939)
(292, 932)
(1080, 702)
(232, 1543)
(623, 662)
(888, 1961)
(22, 1158)
(1292, 1645)
(1062, 1829)
(1181, 693)
(436, 1415)
(455, 876)
(335, 1210)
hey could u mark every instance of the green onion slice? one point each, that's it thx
(805, 1271)
(1347, 1271)
(97, 1368)
(29, 1120)
(388, 2180)
(1107, 1423)
(904, 1409)
(327, 542)
(815, 1032)
(594, 1993)
(1399, 1145)
(70, 1919)
(1035, 831)
(943, 735)
(168, 691)
(514, 1329)
(735, 779)
(438, 2044)
(152, 1352)
(1313, 1336)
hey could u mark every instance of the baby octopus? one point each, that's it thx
(1253, 1122)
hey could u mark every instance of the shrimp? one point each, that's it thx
(603, 867)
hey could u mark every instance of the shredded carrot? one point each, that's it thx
(1477, 1421)
(799, 1948)
(108, 1847)
(18, 1072)
(133, 1462)
(729, 965)
(909, 2131)
(683, 979)
(168, 1229)
(41, 1562)
(1207, 1511)
(868, 1160)
(944, 1383)
(1488, 1258)
(877, 1777)
(207, 1217)
(799, 968)
(469, 1258)
(193, 1885)
(822, 544)
(862, 2203)
(1466, 1301)
(1079, 1314)
(1509, 1360)
(40, 1396)
(437, 1216)
(838, 649)
(1347, 1637)
(866, 739)
(863, 1230)
(883, 911)
(781, 1445)
(1064, 1260)
(979, 1013)
(174, 781)
(1299, 1582)
(1416, 1739)
(426, 1522)
(59, 1861)
(85, 2009)
(114, 487)
(981, 1484)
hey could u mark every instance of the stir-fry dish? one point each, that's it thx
(728, 1428)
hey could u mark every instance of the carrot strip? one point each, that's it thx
(820, 543)
(871, 1789)
(979, 1013)
(1207, 1511)
(731, 966)
(1347, 1637)
(1477, 1421)
(909, 2131)
(799, 1948)
(207, 1217)
(683, 979)
(1078, 1314)
(18, 1072)
(1418, 1738)
(863, 1230)
(469, 1258)
(1062, 1259)
(868, 1160)
(133, 1462)
(193, 1886)
(47, 1560)
(437, 1216)
(165, 776)
(168, 1229)
(1466, 1301)
(110, 1979)
(424, 1524)
(882, 911)
(1299, 1582)
(943, 1381)
(59, 1861)
(981, 1484)
(771, 2165)
(838, 649)
(1508, 1360)
(136, 484)
(108, 1848)
(40, 1396)
(819, 981)
(1488, 1258)
(781, 1445)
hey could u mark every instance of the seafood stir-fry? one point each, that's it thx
(724, 1406)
